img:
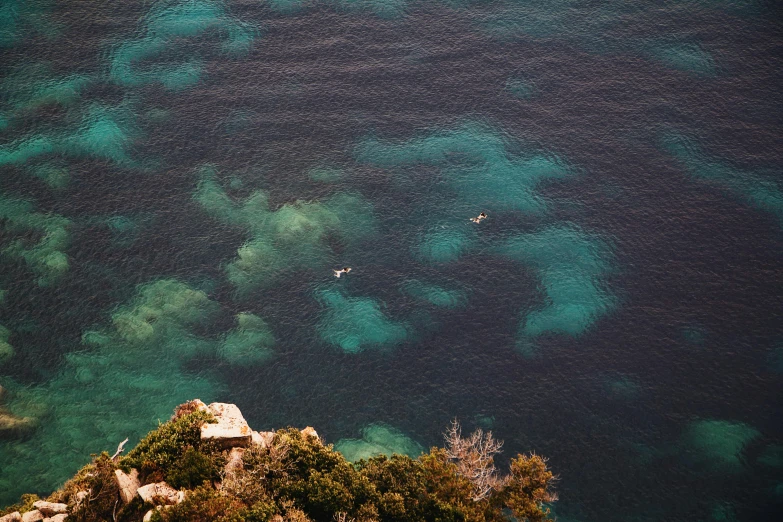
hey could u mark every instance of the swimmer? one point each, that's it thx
(480, 218)
(344, 270)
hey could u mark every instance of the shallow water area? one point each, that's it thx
(179, 179)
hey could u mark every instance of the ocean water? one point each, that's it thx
(179, 178)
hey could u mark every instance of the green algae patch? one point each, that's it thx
(435, 295)
(384, 9)
(45, 254)
(167, 31)
(325, 174)
(571, 266)
(772, 456)
(21, 18)
(104, 132)
(444, 245)
(719, 444)
(520, 88)
(30, 87)
(296, 236)
(251, 341)
(479, 163)
(354, 324)
(758, 188)
(103, 392)
(687, 57)
(623, 388)
(378, 439)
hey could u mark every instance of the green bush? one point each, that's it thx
(299, 479)
(162, 449)
(24, 505)
(203, 504)
(193, 469)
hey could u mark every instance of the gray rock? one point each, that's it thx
(231, 429)
(160, 493)
(12, 517)
(32, 516)
(128, 484)
(50, 508)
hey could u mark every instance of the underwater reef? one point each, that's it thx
(207, 464)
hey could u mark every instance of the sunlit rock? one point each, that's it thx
(160, 493)
(231, 428)
(128, 484)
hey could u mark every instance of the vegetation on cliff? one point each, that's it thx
(296, 478)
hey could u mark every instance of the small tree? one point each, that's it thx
(475, 459)
(527, 488)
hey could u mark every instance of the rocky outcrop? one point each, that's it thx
(33, 516)
(12, 517)
(57, 518)
(128, 484)
(262, 438)
(231, 429)
(50, 509)
(310, 432)
(234, 460)
(160, 493)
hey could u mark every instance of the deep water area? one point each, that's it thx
(180, 178)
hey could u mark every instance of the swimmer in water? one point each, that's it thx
(480, 218)
(344, 270)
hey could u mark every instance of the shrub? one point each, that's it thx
(96, 478)
(161, 450)
(299, 479)
(203, 504)
(24, 505)
(193, 469)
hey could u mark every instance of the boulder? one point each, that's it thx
(263, 439)
(12, 517)
(50, 508)
(199, 405)
(128, 484)
(80, 496)
(231, 429)
(234, 461)
(33, 516)
(57, 518)
(310, 432)
(160, 493)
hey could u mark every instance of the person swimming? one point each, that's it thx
(480, 218)
(344, 270)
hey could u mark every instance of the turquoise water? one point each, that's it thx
(179, 179)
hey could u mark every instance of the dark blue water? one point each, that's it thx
(179, 179)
